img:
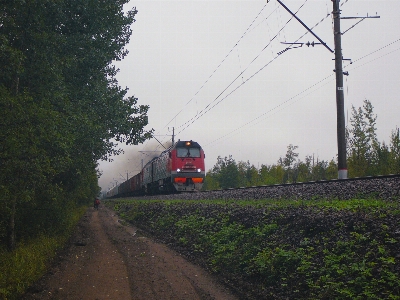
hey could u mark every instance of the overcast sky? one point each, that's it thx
(211, 70)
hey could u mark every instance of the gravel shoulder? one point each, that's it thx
(107, 260)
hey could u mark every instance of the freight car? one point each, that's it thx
(179, 168)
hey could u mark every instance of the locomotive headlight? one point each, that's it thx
(199, 170)
(178, 170)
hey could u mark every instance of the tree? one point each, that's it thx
(273, 174)
(225, 172)
(303, 170)
(331, 170)
(253, 176)
(288, 162)
(362, 141)
(395, 151)
(210, 182)
(62, 106)
(382, 159)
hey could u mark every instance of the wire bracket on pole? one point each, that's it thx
(349, 59)
(346, 73)
(362, 19)
(298, 45)
(305, 26)
(308, 44)
(284, 50)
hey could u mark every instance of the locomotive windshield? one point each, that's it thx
(188, 152)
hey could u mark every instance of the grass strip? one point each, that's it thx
(30, 260)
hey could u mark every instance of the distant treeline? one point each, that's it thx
(61, 108)
(366, 156)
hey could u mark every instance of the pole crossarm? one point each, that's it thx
(367, 17)
(362, 19)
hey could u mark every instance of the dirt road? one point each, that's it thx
(106, 260)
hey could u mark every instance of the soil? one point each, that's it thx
(106, 259)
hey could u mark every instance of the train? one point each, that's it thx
(179, 168)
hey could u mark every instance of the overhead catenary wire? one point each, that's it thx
(249, 29)
(377, 50)
(209, 107)
(308, 89)
(223, 60)
(205, 109)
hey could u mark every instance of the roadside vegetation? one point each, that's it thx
(29, 261)
(267, 249)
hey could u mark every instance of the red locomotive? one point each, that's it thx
(180, 168)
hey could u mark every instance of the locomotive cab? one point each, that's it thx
(187, 166)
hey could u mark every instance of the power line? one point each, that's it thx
(208, 108)
(276, 108)
(215, 70)
(302, 92)
(273, 109)
(249, 28)
(377, 50)
(301, 22)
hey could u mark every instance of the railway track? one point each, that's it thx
(384, 187)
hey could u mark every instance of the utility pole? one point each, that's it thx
(341, 126)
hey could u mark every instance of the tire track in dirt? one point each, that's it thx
(91, 269)
(157, 272)
(106, 260)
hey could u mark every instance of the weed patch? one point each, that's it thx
(29, 261)
(267, 249)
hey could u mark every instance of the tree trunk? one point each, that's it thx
(11, 225)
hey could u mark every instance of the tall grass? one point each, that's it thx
(29, 261)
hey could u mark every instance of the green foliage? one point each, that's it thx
(225, 172)
(366, 155)
(235, 242)
(288, 163)
(29, 261)
(62, 108)
(195, 229)
(228, 174)
(325, 249)
(211, 182)
(395, 152)
(331, 170)
(275, 264)
(271, 174)
(23, 266)
(355, 268)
